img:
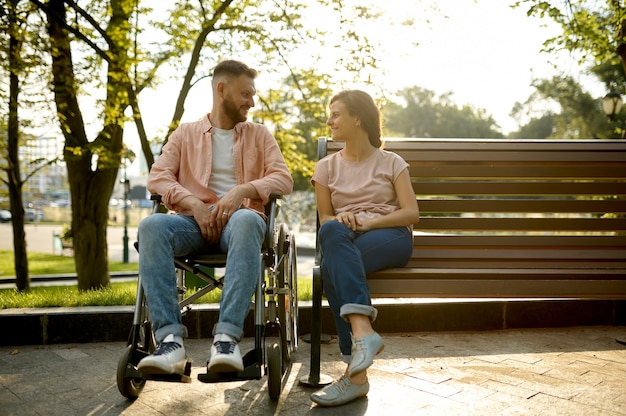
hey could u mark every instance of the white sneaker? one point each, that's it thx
(169, 358)
(225, 355)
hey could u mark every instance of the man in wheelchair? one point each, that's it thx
(216, 174)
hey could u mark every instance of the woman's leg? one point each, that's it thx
(385, 248)
(346, 258)
(343, 275)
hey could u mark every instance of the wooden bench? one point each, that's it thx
(506, 219)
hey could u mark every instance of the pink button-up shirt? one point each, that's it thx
(184, 166)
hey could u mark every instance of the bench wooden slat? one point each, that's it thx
(543, 253)
(503, 274)
(499, 172)
(546, 205)
(523, 224)
(610, 242)
(423, 186)
(498, 288)
(442, 145)
(477, 264)
(481, 145)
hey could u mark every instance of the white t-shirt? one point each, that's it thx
(223, 170)
(364, 188)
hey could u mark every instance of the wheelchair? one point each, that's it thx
(275, 305)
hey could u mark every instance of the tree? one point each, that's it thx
(92, 165)
(538, 128)
(116, 57)
(596, 29)
(14, 174)
(297, 114)
(18, 62)
(422, 114)
(562, 106)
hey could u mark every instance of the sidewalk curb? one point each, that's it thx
(41, 326)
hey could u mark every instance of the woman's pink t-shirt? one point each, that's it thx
(364, 188)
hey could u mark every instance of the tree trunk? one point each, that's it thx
(621, 51)
(90, 186)
(14, 172)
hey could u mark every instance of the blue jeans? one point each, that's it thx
(165, 236)
(347, 257)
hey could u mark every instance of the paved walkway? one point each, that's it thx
(573, 371)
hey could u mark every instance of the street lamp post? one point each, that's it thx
(128, 157)
(612, 105)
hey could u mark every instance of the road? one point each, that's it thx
(40, 239)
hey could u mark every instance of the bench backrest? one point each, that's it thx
(516, 205)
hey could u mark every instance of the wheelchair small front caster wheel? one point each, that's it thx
(129, 386)
(274, 371)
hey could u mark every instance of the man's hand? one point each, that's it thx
(207, 223)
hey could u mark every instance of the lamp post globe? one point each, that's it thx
(612, 104)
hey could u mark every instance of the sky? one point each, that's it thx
(483, 52)
(487, 54)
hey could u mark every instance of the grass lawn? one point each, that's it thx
(118, 293)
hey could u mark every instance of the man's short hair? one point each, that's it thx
(232, 68)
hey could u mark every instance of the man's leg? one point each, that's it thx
(161, 237)
(242, 240)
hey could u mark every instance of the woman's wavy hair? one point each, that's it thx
(361, 105)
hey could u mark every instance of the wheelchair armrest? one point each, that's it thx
(271, 211)
(157, 203)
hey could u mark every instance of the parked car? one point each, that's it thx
(32, 215)
(5, 215)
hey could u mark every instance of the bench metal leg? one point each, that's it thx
(315, 379)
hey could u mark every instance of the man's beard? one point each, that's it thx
(233, 112)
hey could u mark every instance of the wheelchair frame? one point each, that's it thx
(275, 314)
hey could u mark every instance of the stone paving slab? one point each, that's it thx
(566, 371)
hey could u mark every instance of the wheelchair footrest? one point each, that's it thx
(179, 378)
(251, 372)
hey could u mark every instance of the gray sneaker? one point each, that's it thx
(340, 392)
(169, 358)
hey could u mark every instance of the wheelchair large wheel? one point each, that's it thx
(129, 387)
(274, 371)
(287, 279)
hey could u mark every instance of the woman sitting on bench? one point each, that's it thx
(366, 207)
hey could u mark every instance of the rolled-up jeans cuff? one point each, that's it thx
(171, 329)
(347, 359)
(350, 308)
(229, 329)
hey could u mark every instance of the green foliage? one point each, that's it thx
(590, 27)
(69, 296)
(423, 114)
(118, 294)
(41, 263)
(105, 52)
(595, 32)
(561, 109)
(536, 129)
(297, 115)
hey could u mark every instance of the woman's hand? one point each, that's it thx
(349, 219)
